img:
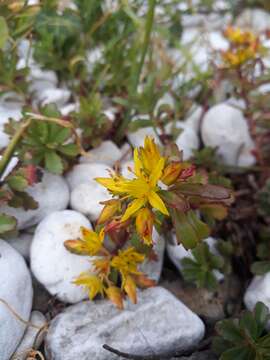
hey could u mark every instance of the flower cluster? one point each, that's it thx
(163, 188)
(244, 46)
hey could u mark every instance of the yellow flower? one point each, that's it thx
(144, 188)
(144, 224)
(244, 46)
(92, 283)
(239, 36)
(90, 244)
(126, 262)
(149, 155)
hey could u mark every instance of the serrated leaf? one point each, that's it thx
(185, 233)
(7, 223)
(53, 162)
(202, 230)
(4, 34)
(69, 150)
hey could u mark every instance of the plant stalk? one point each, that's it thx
(12, 145)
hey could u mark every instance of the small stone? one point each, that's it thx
(177, 253)
(22, 244)
(86, 173)
(33, 337)
(11, 106)
(226, 128)
(16, 290)
(58, 96)
(157, 324)
(258, 290)
(51, 193)
(106, 153)
(136, 138)
(86, 193)
(187, 141)
(86, 199)
(193, 118)
(51, 263)
(153, 268)
(257, 20)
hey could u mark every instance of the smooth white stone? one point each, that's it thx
(193, 118)
(86, 173)
(86, 198)
(31, 336)
(11, 165)
(16, 290)
(106, 153)
(136, 138)
(258, 290)
(257, 20)
(57, 96)
(51, 193)
(68, 108)
(153, 269)
(187, 140)
(51, 263)
(159, 322)
(177, 253)
(226, 128)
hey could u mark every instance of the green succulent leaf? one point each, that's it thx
(53, 162)
(7, 223)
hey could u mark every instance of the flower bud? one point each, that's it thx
(144, 225)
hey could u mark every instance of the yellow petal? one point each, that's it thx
(157, 172)
(137, 163)
(130, 288)
(157, 203)
(116, 296)
(134, 206)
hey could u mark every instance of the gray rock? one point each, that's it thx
(16, 290)
(33, 336)
(54, 266)
(157, 324)
(51, 193)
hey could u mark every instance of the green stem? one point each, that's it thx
(139, 67)
(146, 42)
(8, 153)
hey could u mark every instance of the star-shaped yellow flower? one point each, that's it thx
(143, 189)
